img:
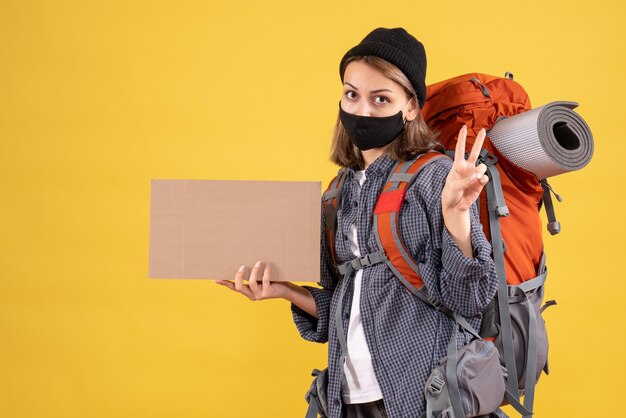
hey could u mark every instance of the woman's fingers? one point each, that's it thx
(459, 151)
(239, 278)
(478, 145)
(257, 289)
(254, 274)
(465, 169)
(240, 286)
(480, 170)
(477, 176)
(254, 286)
(266, 279)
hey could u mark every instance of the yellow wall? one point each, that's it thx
(97, 98)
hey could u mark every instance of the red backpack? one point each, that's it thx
(478, 101)
(509, 212)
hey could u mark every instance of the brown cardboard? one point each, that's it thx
(206, 229)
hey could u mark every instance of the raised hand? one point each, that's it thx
(252, 289)
(465, 180)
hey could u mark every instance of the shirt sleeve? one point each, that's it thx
(309, 327)
(463, 284)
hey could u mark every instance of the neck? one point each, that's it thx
(370, 155)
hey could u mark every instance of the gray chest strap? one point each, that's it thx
(347, 269)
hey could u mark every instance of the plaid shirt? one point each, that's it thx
(406, 337)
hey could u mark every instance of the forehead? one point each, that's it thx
(364, 76)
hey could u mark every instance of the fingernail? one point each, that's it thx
(472, 177)
(257, 265)
(479, 175)
(241, 269)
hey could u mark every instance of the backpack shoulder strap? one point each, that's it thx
(386, 217)
(405, 268)
(332, 201)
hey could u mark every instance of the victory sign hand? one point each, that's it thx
(465, 180)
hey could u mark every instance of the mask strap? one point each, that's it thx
(407, 103)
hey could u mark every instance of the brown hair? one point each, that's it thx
(416, 138)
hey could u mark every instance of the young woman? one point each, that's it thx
(393, 339)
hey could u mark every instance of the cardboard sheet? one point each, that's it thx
(206, 229)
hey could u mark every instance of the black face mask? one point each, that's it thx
(367, 132)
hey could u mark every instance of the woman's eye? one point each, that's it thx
(381, 99)
(351, 95)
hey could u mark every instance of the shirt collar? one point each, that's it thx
(380, 167)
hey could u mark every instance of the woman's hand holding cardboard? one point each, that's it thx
(254, 290)
(268, 289)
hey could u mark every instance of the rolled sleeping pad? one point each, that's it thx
(547, 141)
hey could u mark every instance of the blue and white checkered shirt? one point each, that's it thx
(406, 337)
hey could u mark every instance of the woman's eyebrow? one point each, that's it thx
(373, 91)
(381, 90)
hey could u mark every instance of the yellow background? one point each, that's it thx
(97, 98)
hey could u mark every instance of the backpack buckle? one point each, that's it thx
(365, 260)
(436, 385)
(361, 262)
(436, 304)
(486, 158)
(368, 260)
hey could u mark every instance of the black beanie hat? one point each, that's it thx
(398, 47)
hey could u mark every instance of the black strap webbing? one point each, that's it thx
(554, 227)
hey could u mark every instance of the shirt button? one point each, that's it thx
(346, 316)
(355, 203)
(337, 401)
(345, 237)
